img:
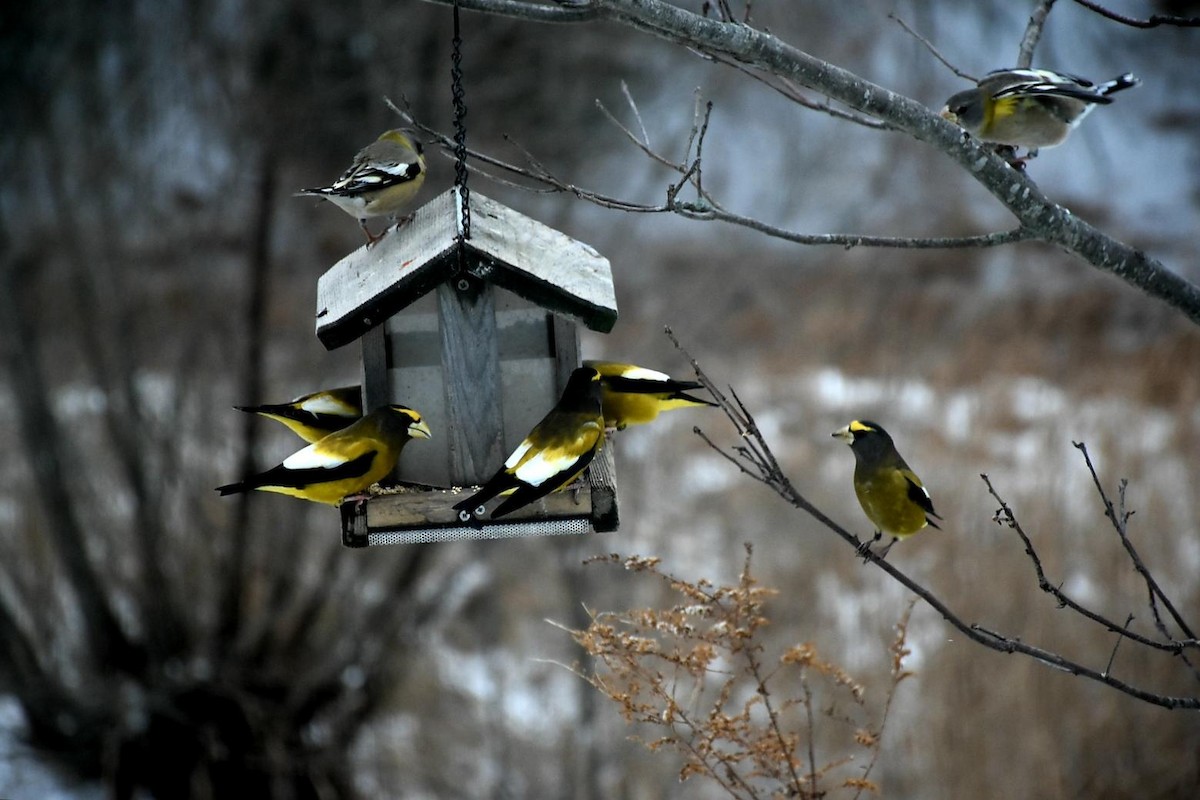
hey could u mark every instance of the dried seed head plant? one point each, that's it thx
(698, 675)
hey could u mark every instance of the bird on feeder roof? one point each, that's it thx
(381, 181)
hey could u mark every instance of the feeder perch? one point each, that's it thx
(483, 350)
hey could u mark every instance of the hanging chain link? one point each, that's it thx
(460, 132)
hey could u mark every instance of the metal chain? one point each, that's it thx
(460, 130)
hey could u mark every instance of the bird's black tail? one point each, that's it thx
(687, 398)
(1126, 81)
(495, 486)
(266, 409)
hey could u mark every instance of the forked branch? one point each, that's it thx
(753, 455)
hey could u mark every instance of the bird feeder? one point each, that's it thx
(479, 335)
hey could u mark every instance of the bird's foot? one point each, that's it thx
(371, 238)
(359, 500)
(864, 548)
(1009, 154)
(883, 553)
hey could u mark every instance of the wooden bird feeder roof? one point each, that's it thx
(506, 248)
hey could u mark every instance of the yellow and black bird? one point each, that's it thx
(555, 452)
(633, 395)
(381, 181)
(345, 462)
(890, 493)
(1029, 108)
(314, 416)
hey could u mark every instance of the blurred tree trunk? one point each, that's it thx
(250, 386)
(158, 638)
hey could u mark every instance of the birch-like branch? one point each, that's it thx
(1035, 213)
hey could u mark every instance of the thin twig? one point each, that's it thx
(721, 452)
(850, 241)
(699, 182)
(1153, 21)
(644, 146)
(636, 113)
(1113, 656)
(792, 91)
(1120, 521)
(933, 50)
(1005, 516)
(1120, 527)
(812, 737)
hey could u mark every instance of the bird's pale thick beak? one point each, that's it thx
(947, 114)
(419, 430)
(844, 434)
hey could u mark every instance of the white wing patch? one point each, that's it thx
(544, 465)
(517, 454)
(400, 169)
(643, 374)
(310, 458)
(325, 405)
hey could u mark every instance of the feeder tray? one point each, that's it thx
(415, 516)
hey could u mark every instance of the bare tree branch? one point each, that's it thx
(1153, 21)
(1042, 218)
(764, 463)
(709, 211)
(933, 51)
(792, 92)
(1033, 33)
(1119, 522)
(1005, 516)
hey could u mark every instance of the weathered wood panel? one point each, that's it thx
(471, 372)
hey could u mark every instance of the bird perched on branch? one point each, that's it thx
(314, 416)
(345, 462)
(633, 395)
(555, 452)
(382, 180)
(890, 493)
(1029, 108)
